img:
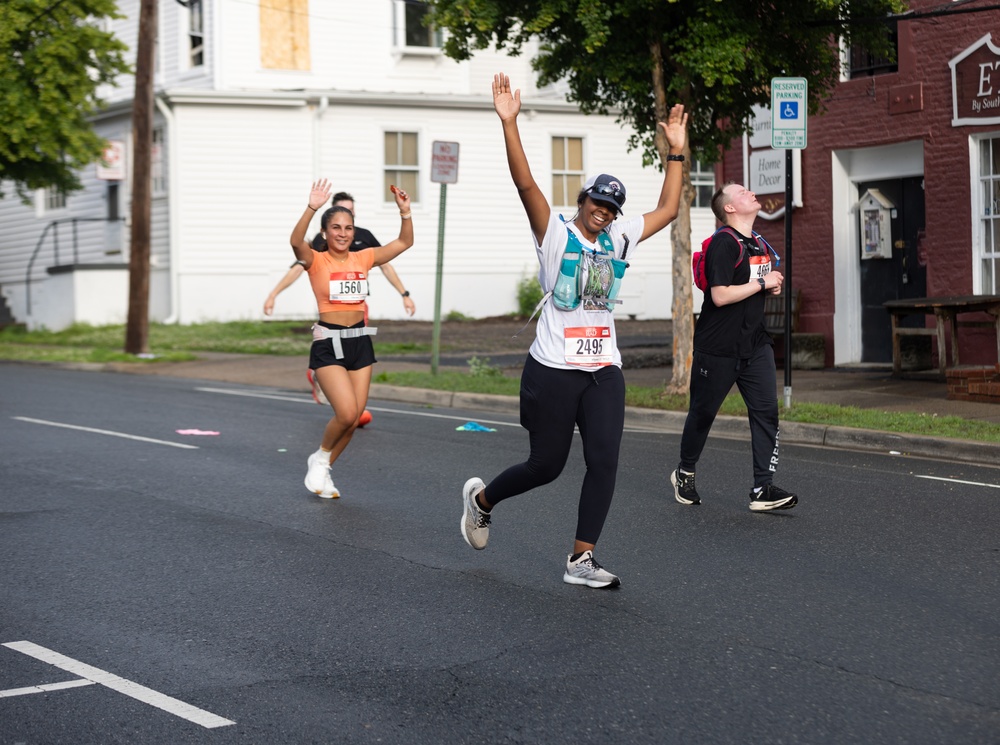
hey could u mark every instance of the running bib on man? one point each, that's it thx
(348, 287)
(588, 346)
(760, 266)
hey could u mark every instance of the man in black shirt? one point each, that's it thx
(731, 345)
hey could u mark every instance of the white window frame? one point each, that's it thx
(564, 172)
(414, 198)
(399, 34)
(158, 163)
(186, 48)
(985, 217)
(702, 175)
(45, 204)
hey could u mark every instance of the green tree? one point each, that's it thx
(637, 57)
(54, 55)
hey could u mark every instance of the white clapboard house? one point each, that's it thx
(256, 99)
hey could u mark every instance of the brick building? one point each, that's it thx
(916, 143)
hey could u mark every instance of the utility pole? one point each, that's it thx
(137, 327)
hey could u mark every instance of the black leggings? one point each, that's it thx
(552, 402)
(711, 380)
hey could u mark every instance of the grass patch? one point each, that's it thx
(43, 353)
(903, 422)
(238, 337)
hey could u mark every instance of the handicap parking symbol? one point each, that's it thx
(789, 110)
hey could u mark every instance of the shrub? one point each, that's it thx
(529, 292)
(483, 369)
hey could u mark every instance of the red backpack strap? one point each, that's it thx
(735, 235)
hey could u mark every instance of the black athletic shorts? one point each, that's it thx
(359, 352)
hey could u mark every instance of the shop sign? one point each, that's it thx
(975, 84)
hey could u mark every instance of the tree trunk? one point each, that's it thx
(681, 309)
(680, 239)
(137, 326)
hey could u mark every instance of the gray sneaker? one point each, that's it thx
(586, 571)
(475, 522)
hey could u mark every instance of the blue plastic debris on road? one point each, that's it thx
(474, 427)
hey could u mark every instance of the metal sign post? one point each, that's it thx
(444, 171)
(789, 104)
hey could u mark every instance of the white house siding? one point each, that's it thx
(244, 144)
(246, 176)
(97, 242)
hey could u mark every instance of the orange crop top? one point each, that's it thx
(341, 287)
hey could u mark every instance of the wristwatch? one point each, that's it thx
(763, 287)
(407, 292)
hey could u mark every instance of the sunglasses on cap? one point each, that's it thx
(608, 191)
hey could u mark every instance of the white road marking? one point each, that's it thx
(46, 687)
(957, 481)
(304, 400)
(133, 690)
(258, 394)
(108, 432)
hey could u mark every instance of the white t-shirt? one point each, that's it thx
(577, 339)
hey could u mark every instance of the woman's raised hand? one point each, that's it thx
(507, 105)
(675, 128)
(319, 194)
(402, 199)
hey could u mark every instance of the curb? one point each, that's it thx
(672, 422)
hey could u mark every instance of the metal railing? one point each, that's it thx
(54, 226)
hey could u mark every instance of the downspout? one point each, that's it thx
(173, 209)
(324, 103)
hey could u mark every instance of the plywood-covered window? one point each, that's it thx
(402, 164)
(567, 170)
(284, 35)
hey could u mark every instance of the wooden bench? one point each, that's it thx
(774, 313)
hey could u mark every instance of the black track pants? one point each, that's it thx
(711, 380)
(553, 401)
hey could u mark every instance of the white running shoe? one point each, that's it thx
(475, 522)
(586, 571)
(318, 395)
(318, 479)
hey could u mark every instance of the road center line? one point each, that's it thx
(108, 432)
(46, 687)
(133, 690)
(957, 481)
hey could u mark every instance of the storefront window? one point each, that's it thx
(988, 260)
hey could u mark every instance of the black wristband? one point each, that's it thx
(763, 285)
(405, 293)
(678, 158)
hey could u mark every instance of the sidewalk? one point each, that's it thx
(864, 388)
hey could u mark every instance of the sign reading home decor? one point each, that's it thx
(975, 84)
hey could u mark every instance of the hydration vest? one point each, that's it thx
(580, 272)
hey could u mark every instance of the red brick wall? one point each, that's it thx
(856, 116)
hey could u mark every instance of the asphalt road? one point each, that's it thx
(152, 593)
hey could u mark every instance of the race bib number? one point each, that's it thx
(588, 346)
(760, 267)
(348, 287)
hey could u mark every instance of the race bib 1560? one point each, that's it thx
(348, 287)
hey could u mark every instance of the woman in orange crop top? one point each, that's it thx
(342, 354)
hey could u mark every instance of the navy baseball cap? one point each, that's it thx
(607, 190)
